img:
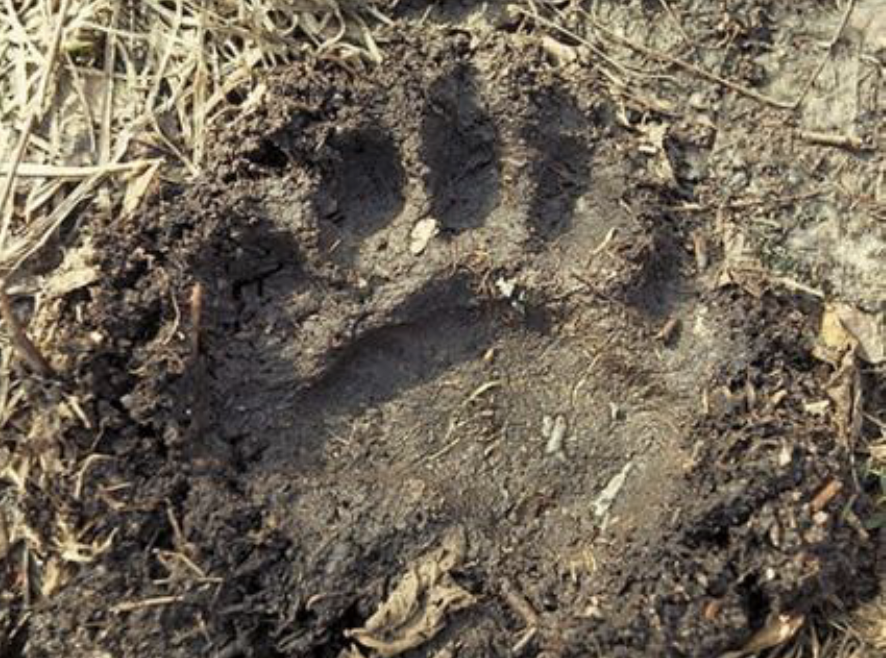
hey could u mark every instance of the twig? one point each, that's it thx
(691, 68)
(527, 636)
(130, 606)
(196, 319)
(677, 23)
(827, 493)
(26, 349)
(824, 60)
(519, 604)
(832, 139)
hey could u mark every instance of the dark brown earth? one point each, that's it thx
(353, 404)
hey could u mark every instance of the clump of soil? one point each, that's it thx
(445, 296)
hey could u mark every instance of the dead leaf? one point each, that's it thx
(75, 272)
(655, 135)
(415, 611)
(779, 630)
(741, 265)
(867, 329)
(844, 389)
(139, 188)
(67, 282)
(833, 339)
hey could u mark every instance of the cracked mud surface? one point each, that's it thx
(355, 400)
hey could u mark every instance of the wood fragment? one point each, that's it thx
(525, 638)
(519, 604)
(131, 606)
(668, 333)
(23, 345)
(4, 536)
(826, 495)
(700, 247)
(196, 318)
(832, 139)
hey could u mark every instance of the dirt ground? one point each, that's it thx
(453, 357)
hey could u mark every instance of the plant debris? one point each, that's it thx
(416, 609)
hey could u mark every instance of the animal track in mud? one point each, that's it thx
(360, 398)
(346, 362)
(363, 397)
(373, 186)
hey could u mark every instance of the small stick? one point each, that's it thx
(832, 139)
(526, 637)
(823, 497)
(26, 349)
(700, 246)
(677, 23)
(519, 604)
(744, 204)
(824, 60)
(199, 400)
(130, 606)
(669, 331)
(562, 30)
(196, 318)
(692, 68)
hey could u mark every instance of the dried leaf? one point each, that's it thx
(845, 391)
(779, 630)
(138, 188)
(67, 282)
(655, 135)
(416, 610)
(868, 330)
(741, 265)
(833, 338)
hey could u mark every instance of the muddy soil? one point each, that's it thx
(448, 298)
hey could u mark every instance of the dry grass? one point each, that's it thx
(100, 98)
